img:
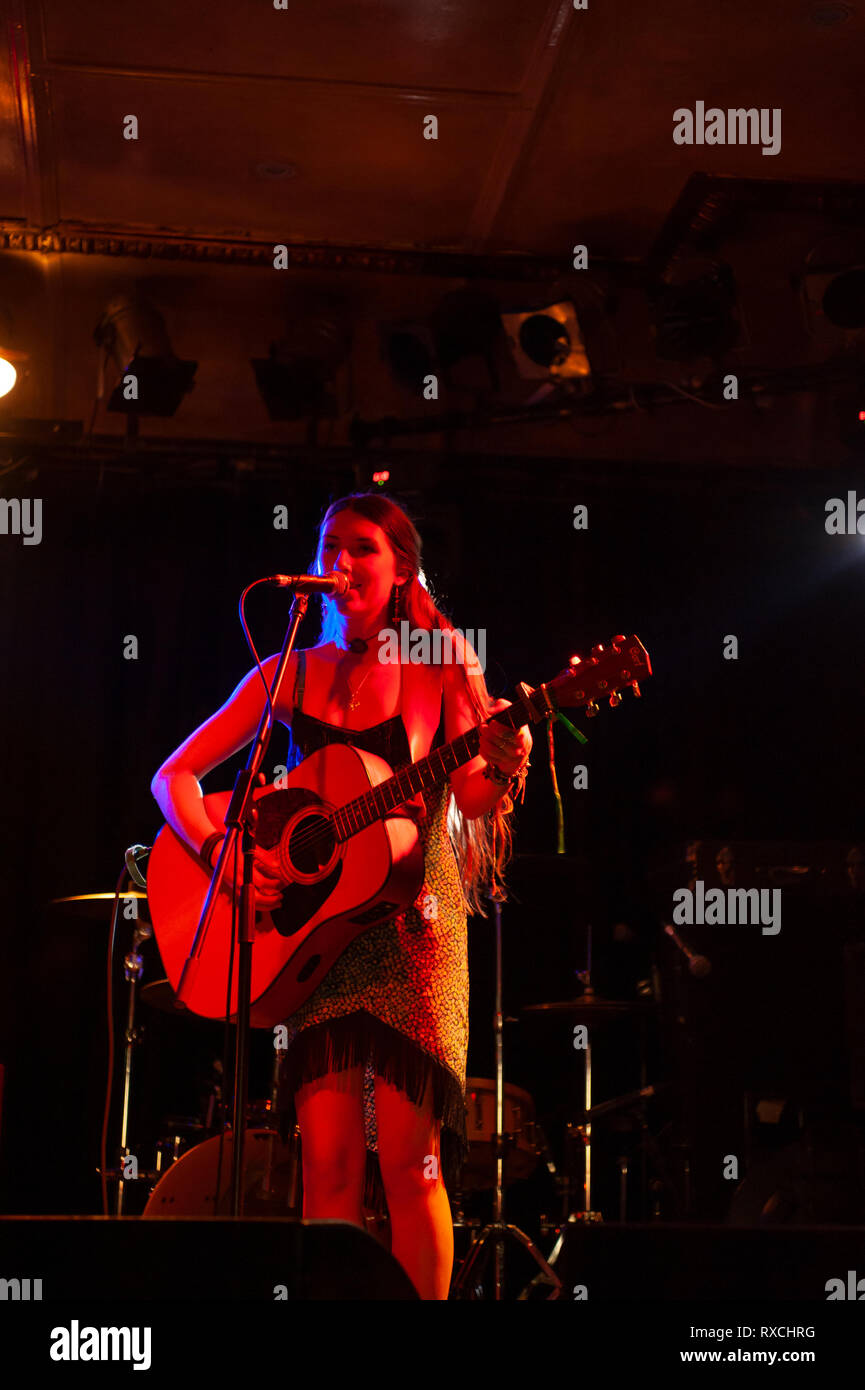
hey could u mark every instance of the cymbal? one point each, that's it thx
(591, 1010)
(93, 906)
(159, 995)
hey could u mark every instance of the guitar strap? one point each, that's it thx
(299, 679)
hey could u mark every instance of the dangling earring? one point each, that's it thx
(394, 606)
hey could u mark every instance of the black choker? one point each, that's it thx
(359, 645)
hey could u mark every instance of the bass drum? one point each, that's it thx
(522, 1149)
(271, 1179)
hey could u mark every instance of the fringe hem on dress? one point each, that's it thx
(338, 1044)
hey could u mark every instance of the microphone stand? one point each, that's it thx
(240, 820)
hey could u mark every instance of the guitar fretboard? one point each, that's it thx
(417, 777)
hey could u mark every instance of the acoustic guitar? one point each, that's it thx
(342, 827)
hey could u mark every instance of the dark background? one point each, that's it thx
(765, 748)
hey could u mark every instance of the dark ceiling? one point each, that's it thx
(306, 127)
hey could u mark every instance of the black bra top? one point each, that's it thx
(388, 740)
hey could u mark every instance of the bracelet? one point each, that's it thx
(495, 774)
(515, 785)
(207, 848)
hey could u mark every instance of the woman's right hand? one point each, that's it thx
(266, 874)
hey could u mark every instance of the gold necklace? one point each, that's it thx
(353, 702)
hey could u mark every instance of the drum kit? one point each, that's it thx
(507, 1144)
(190, 1174)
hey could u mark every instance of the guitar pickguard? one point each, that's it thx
(300, 901)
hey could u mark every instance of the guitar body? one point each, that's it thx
(333, 891)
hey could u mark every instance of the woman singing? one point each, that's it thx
(376, 1060)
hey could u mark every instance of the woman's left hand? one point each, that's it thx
(503, 747)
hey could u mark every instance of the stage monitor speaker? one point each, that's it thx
(180, 1259)
(683, 1263)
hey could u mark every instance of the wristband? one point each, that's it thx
(207, 848)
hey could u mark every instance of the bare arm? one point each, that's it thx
(474, 793)
(176, 785)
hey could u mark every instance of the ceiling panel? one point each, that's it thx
(603, 163)
(362, 168)
(447, 44)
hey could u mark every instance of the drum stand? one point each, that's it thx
(584, 1131)
(498, 1231)
(578, 1135)
(133, 969)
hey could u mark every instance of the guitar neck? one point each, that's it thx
(421, 776)
(604, 673)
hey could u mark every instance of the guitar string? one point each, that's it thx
(322, 832)
(326, 819)
(327, 827)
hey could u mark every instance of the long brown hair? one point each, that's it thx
(482, 846)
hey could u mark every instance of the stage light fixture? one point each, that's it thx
(153, 380)
(844, 299)
(547, 343)
(466, 323)
(831, 287)
(696, 318)
(409, 351)
(11, 361)
(295, 390)
(8, 374)
(296, 379)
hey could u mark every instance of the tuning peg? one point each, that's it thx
(591, 709)
(615, 699)
(636, 689)
(620, 640)
(597, 651)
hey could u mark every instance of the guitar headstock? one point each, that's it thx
(609, 670)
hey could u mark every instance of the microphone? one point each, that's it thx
(132, 855)
(699, 966)
(332, 583)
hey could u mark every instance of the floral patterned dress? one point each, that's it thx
(396, 1001)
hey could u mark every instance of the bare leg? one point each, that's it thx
(422, 1234)
(330, 1115)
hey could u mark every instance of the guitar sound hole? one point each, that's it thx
(311, 843)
